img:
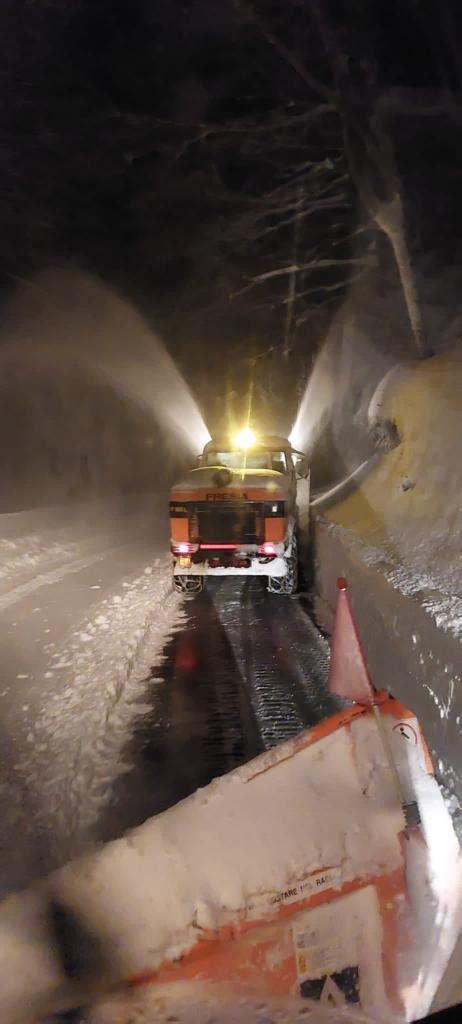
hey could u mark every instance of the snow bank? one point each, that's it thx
(408, 507)
(77, 741)
(38, 541)
(398, 538)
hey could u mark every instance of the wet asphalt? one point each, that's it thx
(247, 671)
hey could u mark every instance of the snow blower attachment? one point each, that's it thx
(293, 878)
(240, 513)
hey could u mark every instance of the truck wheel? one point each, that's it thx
(286, 584)
(188, 584)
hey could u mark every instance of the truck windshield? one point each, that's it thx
(264, 459)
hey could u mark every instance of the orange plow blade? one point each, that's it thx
(292, 878)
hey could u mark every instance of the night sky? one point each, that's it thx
(160, 143)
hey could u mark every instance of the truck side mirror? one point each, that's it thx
(199, 460)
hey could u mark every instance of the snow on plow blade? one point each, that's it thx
(302, 875)
(291, 877)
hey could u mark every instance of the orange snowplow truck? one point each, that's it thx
(241, 512)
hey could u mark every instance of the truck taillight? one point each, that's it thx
(183, 547)
(268, 548)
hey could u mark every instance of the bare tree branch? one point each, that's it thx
(370, 154)
(294, 268)
(325, 288)
(247, 11)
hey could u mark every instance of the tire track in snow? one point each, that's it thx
(48, 578)
(282, 657)
(246, 671)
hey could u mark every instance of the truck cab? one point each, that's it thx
(238, 513)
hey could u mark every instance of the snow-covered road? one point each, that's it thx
(118, 696)
(246, 671)
(78, 594)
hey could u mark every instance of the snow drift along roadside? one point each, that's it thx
(77, 742)
(408, 506)
(398, 537)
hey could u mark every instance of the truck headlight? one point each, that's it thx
(245, 439)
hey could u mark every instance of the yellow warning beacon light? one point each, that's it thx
(245, 438)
